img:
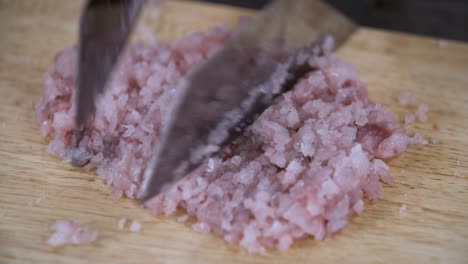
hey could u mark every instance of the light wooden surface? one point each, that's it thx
(36, 190)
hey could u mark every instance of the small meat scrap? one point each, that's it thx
(406, 99)
(421, 113)
(121, 223)
(201, 227)
(135, 226)
(182, 218)
(71, 232)
(442, 43)
(418, 140)
(403, 211)
(409, 119)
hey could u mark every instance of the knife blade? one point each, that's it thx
(215, 104)
(105, 26)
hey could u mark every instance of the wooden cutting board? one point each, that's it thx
(36, 189)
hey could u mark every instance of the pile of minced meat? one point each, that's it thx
(302, 169)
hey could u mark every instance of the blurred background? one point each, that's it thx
(446, 19)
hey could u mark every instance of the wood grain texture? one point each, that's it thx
(36, 190)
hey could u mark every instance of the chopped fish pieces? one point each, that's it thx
(71, 232)
(302, 169)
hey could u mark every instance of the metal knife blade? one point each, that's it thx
(214, 105)
(105, 26)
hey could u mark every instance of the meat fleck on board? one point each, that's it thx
(423, 218)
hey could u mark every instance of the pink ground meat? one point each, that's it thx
(301, 170)
(71, 232)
